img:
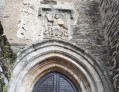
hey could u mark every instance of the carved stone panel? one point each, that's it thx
(56, 23)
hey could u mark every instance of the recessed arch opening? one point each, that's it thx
(56, 64)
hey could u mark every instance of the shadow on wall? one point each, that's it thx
(50, 2)
(1, 29)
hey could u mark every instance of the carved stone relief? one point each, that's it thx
(56, 23)
(46, 19)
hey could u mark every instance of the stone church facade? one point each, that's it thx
(59, 46)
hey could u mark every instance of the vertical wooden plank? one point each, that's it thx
(54, 82)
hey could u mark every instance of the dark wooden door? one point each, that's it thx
(54, 82)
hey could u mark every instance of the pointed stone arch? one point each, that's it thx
(58, 56)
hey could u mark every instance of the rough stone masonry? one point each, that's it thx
(90, 24)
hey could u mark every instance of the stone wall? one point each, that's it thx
(94, 28)
(110, 18)
(2, 6)
(88, 33)
(86, 27)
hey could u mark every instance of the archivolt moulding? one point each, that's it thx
(55, 55)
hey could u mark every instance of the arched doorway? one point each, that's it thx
(54, 82)
(48, 56)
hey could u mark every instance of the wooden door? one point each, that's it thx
(54, 82)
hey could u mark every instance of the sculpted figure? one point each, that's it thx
(55, 25)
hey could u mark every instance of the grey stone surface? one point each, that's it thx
(94, 29)
(110, 19)
(2, 6)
